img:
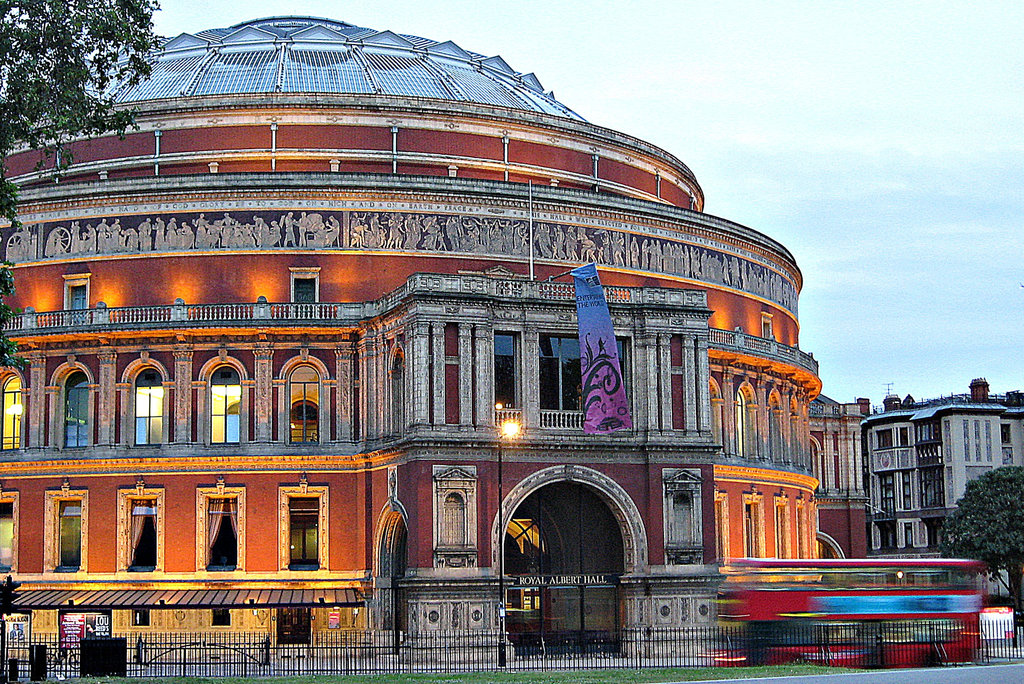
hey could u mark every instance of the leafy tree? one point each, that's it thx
(58, 61)
(988, 526)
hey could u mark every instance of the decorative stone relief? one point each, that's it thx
(400, 231)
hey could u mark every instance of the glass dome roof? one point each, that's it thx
(311, 55)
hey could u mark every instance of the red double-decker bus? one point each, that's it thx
(852, 613)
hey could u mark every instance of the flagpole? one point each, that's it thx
(530, 213)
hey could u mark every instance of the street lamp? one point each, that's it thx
(507, 430)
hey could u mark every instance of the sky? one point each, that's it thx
(881, 142)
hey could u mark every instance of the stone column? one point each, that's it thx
(437, 366)
(182, 395)
(701, 381)
(729, 411)
(467, 372)
(648, 383)
(530, 365)
(366, 380)
(664, 371)
(484, 348)
(36, 399)
(343, 372)
(106, 397)
(263, 402)
(691, 396)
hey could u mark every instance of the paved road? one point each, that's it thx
(971, 674)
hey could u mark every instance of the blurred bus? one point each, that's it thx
(852, 613)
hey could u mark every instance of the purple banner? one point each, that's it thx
(605, 406)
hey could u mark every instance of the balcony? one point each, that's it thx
(350, 314)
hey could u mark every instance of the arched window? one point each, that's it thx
(304, 411)
(775, 440)
(149, 408)
(744, 424)
(225, 405)
(76, 410)
(453, 521)
(716, 414)
(13, 409)
(398, 395)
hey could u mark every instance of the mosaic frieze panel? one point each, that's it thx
(396, 231)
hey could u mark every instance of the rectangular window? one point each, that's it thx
(78, 297)
(932, 491)
(560, 381)
(70, 535)
(143, 534)
(506, 386)
(887, 492)
(886, 534)
(908, 535)
(6, 535)
(903, 434)
(222, 533)
(221, 617)
(933, 530)
(140, 617)
(906, 492)
(304, 540)
(766, 326)
(1004, 433)
(883, 438)
(305, 290)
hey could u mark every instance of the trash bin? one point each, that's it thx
(103, 657)
(37, 662)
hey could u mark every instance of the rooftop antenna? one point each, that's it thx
(888, 388)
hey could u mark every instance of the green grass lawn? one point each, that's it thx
(651, 676)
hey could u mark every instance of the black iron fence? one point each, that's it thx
(226, 654)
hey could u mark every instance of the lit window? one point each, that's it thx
(226, 399)
(6, 535)
(304, 415)
(143, 534)
(13, 409)
(304, 538)
(149, 408)
(222, 533)
(76, 410)
(70, 534)
(560, 381)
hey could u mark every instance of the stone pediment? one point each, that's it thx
(442, 473)
(681, 478)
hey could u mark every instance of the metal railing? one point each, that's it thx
(899, 643)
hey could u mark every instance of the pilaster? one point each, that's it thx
(263, 404)
(484, 351)
(182, 395)
(106, 397)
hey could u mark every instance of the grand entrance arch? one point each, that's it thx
(568, 538)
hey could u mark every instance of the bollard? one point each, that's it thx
(37, 662)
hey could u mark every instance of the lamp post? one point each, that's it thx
(508, 429)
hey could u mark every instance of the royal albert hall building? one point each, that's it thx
(271, 334)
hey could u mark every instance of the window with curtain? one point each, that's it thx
(149, 408)
(303, 527)
(222, 533)
(13, 409)
(143, 534)
(6, 535)
(76, 410)
(304, 414)
(742, 423)
(225, 406)
(70, 534)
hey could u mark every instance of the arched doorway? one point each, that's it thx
(563, 556)
(392, 558)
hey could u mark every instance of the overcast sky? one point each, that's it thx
(880, 141)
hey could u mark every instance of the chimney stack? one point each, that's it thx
(865, 405)
(979, 390)
(891, 402)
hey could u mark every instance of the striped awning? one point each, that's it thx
(29, 598)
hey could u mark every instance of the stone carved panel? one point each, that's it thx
(682, 515)
(398, 231)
